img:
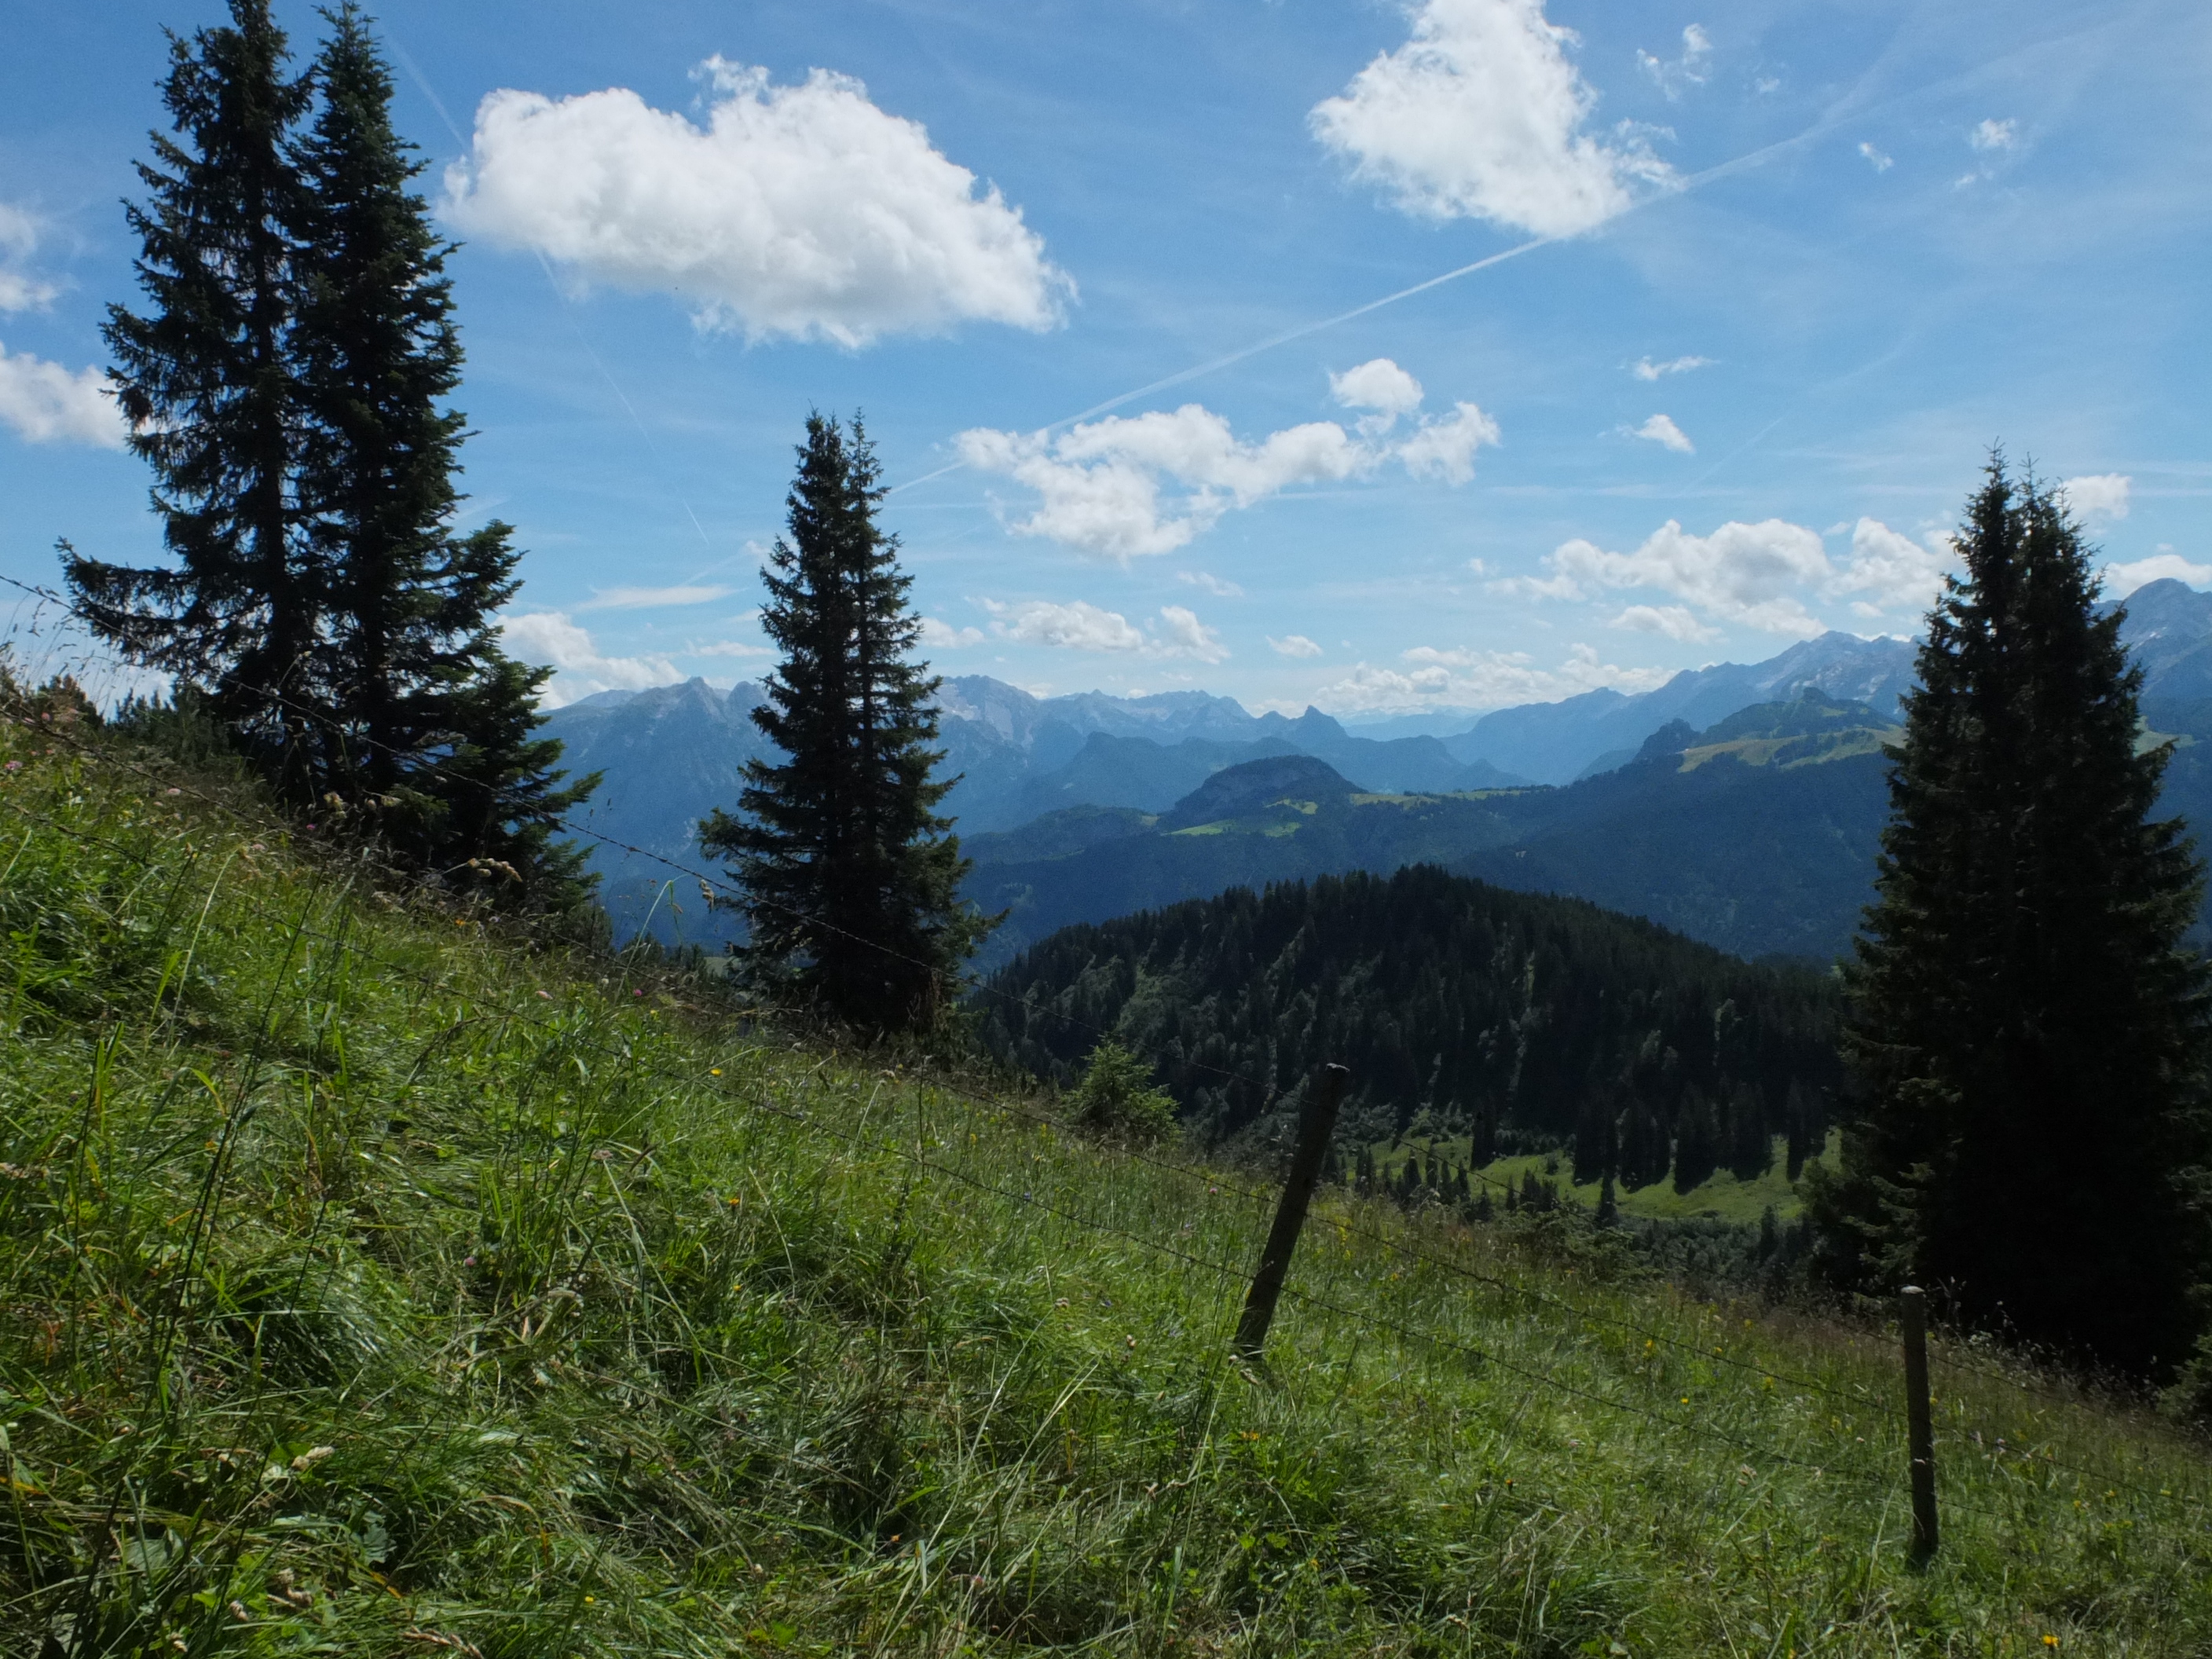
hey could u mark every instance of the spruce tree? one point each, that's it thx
(2027, 1033)
(428, 723)
(205, 379)
(285, 387)
(850, 879)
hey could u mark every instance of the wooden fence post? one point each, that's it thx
(1316, 1121)
(1920, 1431)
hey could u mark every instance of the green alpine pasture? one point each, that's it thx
(380, 1280)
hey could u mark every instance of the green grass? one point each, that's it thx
(377, 1285)
(1723, 1196)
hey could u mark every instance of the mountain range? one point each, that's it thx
(1043, 780)
(1757, 834)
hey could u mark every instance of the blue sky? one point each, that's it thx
(1775, 277)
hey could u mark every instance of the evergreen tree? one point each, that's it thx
(205, 380)
(428, 721)
(1697, 1141)
(2027, 1034)
(851, 878)
(285, 386)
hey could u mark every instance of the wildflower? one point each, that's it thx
(172, 788)
(546, 996)
(714, 1071)
(2049, 1641)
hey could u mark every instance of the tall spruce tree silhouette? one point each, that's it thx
(204, 377)
(429, 722)
(850, 879)
(285, 387)
(2027, 1034)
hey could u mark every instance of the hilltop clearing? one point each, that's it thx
(378, 1282)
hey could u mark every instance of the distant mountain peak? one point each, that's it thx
(1239, 792)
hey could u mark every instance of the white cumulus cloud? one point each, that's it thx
(553, 638)
(1994, 134)
(1293, 645)
(1895, 572)
(2100, 495)
(801, 210)
(1482, 114)
(1746, 574)
(1219, 586)
(1661, 430)
(1673, 621)
(1645, 369)
(1479, 679)
(19, 289)
(1875, 158)
(943, 636)
(1445, 448)
(650, 598)
(2121, 580)
(1130, 486)
(1182, 635)
(1380, 385)
(1100, 485)
(1676, 76)
(1082, 626)
(47, 403)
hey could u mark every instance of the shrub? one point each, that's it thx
(1116, 1098)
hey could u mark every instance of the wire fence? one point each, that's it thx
(1218, 1182)
(1545, 1380)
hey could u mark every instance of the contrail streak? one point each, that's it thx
(1848, 108)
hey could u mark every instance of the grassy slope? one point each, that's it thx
(374, 1286)
(1720, 1197)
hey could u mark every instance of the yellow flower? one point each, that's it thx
(714, 1070)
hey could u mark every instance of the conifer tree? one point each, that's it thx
(286, 387)
(427, 721)
(204, 378)
(851, 878)
(2027, 1034)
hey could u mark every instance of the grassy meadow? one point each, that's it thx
(378, 1280)
(1721, 1196)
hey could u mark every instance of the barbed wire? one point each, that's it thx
(708, 880)
(1229, 1273)
(1213, 1179)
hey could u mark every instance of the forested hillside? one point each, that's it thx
(1758, 836)
(1523, 1020)
(384, 1280)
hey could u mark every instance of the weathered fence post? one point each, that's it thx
(1316, 1121)
(1920, 1431)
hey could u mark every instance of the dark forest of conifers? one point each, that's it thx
(1525, 1021)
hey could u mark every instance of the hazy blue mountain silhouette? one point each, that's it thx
(1088, 768)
